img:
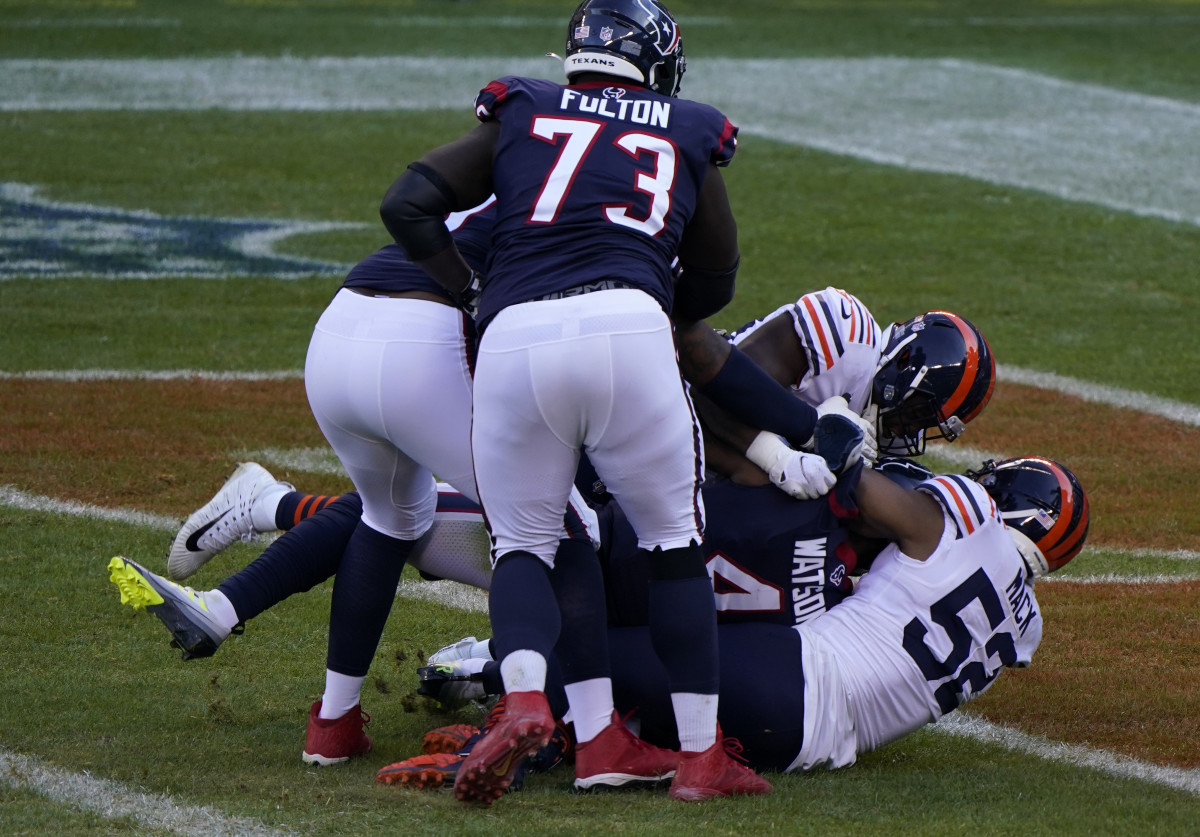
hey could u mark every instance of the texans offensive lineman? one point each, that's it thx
(600, 184)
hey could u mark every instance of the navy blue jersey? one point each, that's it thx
(595, 182)
(388, 268)
(771, 558)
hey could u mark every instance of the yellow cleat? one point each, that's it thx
(193, 629)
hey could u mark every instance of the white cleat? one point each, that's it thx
(464, 649)
(219, 522)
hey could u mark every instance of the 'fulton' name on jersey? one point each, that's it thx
(612, 104)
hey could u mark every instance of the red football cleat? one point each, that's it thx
(617, 757)
(714, 772)
(524, 728)
(338, 740)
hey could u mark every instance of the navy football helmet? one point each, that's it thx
(1041, 502)
(634, 39)
(936, 374)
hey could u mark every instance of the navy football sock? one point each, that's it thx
(582, 648)
(683, 619)
(296, 561)
(522, 606)
(363, 593)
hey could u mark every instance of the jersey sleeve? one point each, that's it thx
(491, 98)
(841, 340)
(726, 144)
(965, 501)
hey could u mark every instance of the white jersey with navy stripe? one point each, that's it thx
(918, 638)
(841, 340)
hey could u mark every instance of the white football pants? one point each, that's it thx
(598, 373)
(389, 383)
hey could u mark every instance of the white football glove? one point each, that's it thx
(838, 405)
(800, 475)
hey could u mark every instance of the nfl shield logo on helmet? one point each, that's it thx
(606, 33)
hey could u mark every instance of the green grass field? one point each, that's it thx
(104, 730)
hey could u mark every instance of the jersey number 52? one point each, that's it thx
(945, 614)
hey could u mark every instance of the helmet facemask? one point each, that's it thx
(932, 361)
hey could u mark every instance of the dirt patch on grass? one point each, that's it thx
(161, 447)
(1118, 669)
(1141, 473)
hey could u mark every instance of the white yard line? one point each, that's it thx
(1081, 142)
(965, 726)
(113, 800)
(16, 499)
(86, 375)
(1101, 394)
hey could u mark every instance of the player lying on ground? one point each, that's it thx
(768, 515)
(947, 604)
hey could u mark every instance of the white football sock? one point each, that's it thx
(696, 718)
(220, 609)
(591, 707)
(342, 693)
(262, 510)
(524, 671)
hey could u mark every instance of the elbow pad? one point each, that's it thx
(414, 211)
(700, 293)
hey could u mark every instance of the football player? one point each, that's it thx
(947, 604)
(601, 184)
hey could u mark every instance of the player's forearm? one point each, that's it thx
(414, 211)
(755, 399)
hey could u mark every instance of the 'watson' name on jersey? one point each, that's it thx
(612, 104)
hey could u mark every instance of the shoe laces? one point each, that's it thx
(733, 748)
(493, 717)
(639, 742)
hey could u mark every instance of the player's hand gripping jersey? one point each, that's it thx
(841, 341)
(594, 144)
(874, 672)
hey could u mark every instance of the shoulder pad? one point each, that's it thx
(965, 500)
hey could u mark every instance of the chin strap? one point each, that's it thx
(1038, 566)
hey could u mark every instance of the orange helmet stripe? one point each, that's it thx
(956, 399)
(1053, 538)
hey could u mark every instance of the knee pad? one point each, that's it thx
(677, 564)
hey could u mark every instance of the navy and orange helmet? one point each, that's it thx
(937, 373)
(1043, 505)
